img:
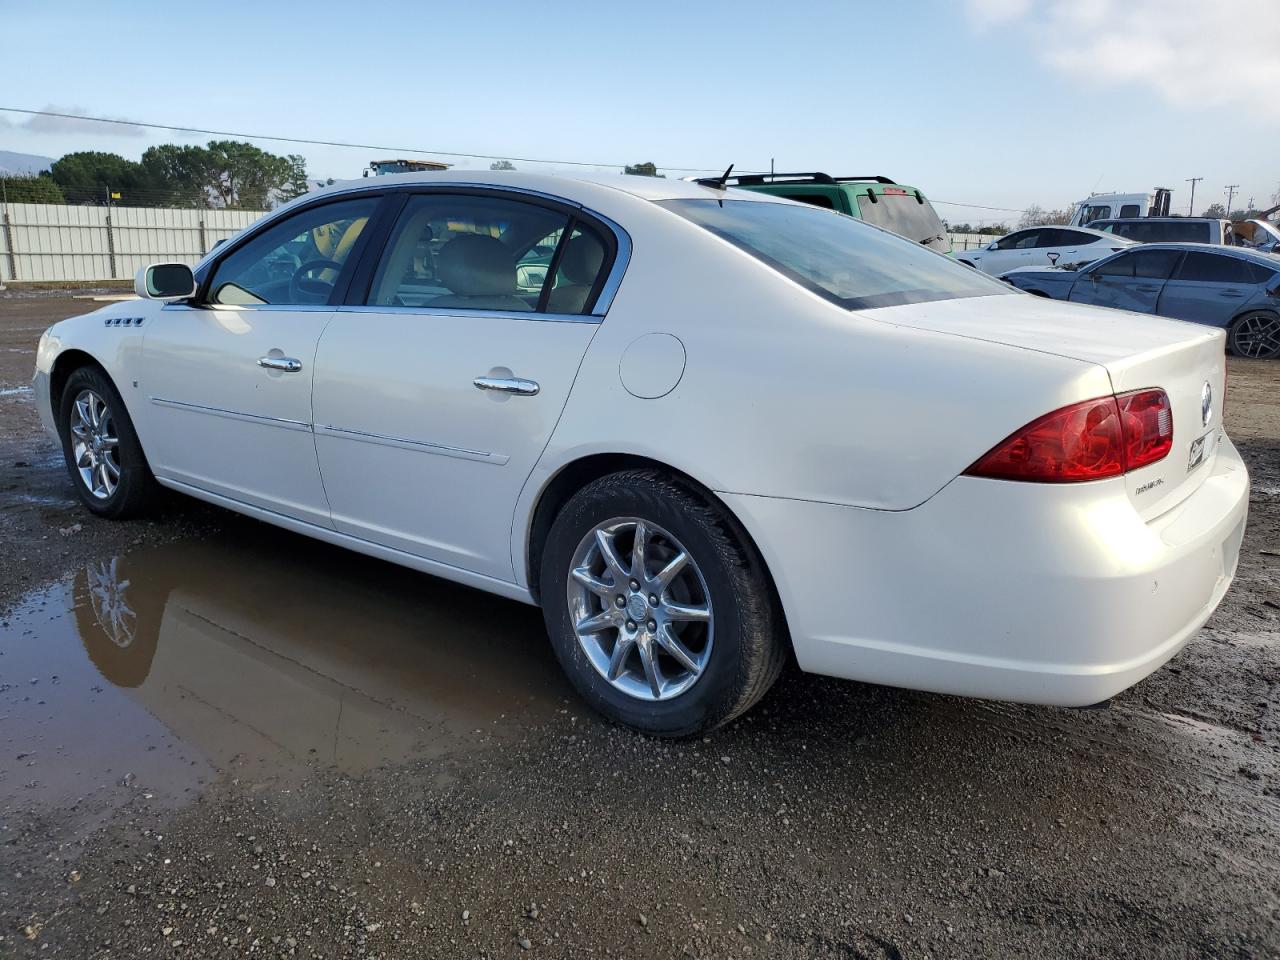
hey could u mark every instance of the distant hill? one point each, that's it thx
(22, 163)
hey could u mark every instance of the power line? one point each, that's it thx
(388, 149)
(331, 143)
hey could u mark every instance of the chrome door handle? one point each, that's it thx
(287, 364)
(521, 388)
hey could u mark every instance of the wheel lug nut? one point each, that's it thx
(631, 626)
(635, 584)
(620, 600)
(653, 626)
(653, 599)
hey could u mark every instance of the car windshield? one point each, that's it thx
(907, 217)
(837, 257)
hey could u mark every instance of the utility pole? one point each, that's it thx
(1231, 192)
(1191, 207)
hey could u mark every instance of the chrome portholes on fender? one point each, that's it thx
(95, 445)
(640, 609)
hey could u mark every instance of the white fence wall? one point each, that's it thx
(47, 242)
(969, 241)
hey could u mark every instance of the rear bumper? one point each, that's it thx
(1055, 594)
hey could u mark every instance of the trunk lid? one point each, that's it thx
(1186, 360)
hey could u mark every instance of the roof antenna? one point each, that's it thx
(721, 182)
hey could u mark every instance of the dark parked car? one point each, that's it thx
(1227, 287)
(1168, 229)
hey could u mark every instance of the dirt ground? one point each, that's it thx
(219, 740)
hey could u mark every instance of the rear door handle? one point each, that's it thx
(516, 385)
(287, 364)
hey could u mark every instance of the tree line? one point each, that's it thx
(226, 174)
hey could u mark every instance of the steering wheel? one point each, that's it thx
(304, 288)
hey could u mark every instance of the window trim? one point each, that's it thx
(393, 198)
(616, 240)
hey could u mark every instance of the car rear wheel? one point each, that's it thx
(1256, 335)
(101, 449)
(660, 613)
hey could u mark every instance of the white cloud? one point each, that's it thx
(1192, 53)
(991, 12)
(42, 123)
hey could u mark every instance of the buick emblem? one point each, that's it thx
(1206, 404)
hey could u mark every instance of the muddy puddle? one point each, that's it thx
(259, 654)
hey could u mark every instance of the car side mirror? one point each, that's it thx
(992, 245)
(165, 281)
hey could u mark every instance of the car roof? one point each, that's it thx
(1222, 249)
(1160, 220)
(575, 186)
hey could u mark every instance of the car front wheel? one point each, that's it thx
(101, 449)
(658, 608)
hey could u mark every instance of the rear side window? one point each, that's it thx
(837, 257)
(1214, 268)
(1164, 231)
(473, 252)
(816, 199)
(1130, 210)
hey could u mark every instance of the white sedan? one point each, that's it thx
(705, 430)
(1043, 246)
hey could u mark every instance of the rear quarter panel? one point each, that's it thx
(786, 395)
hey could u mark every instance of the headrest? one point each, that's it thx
(581, 259)
(474, 265)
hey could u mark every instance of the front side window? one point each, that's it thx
(837, 257)
(1121, 266)
(1095, 212)
(474, 252)
(1155, 264)
(296, 261)
(1018, 241)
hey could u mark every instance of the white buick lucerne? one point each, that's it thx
(706, 430)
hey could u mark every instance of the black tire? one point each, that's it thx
(136, 489)
(1244, 339)
(750, 645)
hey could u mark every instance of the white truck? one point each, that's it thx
(1107, 206)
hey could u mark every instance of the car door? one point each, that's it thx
(1073, 246)
(437, 392)
(1209, 287)
(1014, 250)
(1130, 281)
(228, 375)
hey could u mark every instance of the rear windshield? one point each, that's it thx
(907, 217)
(835, 256)
(1161, 231)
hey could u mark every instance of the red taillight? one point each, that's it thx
(1147, 421)
(1091, 440)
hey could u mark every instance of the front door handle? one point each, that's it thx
(287, 364)
(516, 385)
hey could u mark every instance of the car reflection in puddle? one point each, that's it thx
(261, 653)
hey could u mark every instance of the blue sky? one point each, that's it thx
(996, 102)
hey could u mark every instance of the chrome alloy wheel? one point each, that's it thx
(1257, 335)
(94, 444)
(640, 609)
